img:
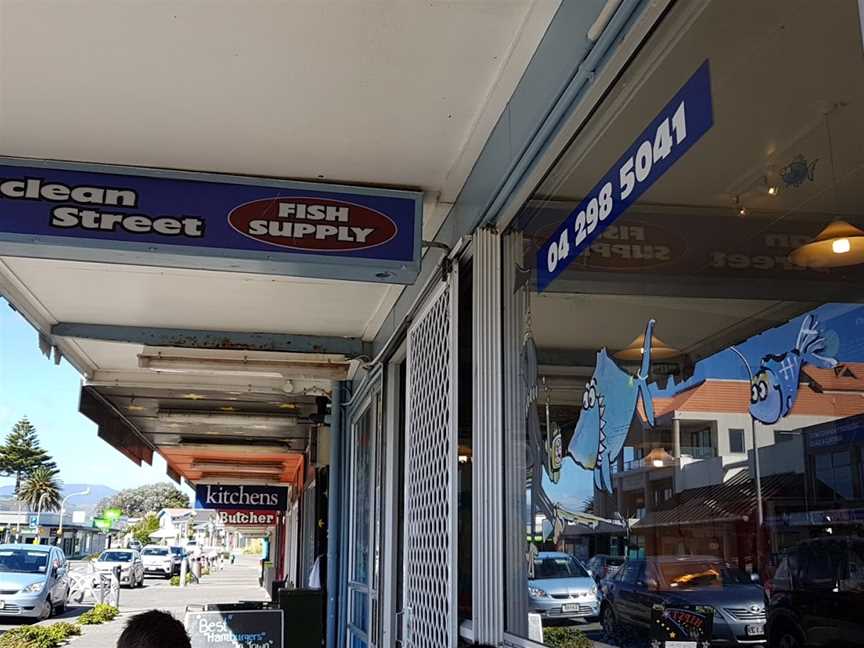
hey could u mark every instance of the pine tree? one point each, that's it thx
(22, 454)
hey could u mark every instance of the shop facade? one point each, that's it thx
(650, 348)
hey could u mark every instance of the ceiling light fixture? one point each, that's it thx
(658, 458)
(636, 349)
(224, 418)
(243, 367)
(840, 244)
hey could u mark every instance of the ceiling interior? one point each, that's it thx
(396, 94)
(779, 91)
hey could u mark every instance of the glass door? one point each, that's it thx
(365, 528)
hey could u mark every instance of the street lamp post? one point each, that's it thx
(86, 491)
(756, 468)
(39, 515)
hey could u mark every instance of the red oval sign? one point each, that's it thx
(313, 224)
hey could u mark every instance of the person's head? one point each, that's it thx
(154, 629)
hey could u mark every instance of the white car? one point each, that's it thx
(129, 561)
(159, 560)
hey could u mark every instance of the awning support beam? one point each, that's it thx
(223, 340)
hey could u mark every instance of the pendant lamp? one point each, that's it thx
(658, 458)
(659, 349)
(840, 244)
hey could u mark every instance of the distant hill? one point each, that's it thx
(79, 502)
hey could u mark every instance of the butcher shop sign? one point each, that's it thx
(101, 213)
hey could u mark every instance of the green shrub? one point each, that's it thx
(63, 630)
(39, 636)
(175, 580)
(100, 613)
(565, 638)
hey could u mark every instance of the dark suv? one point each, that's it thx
(817, 595)
(642, 586)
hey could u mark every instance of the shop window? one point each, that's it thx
(736, 441)
(466, 442)
(690, 278)
(781, 436)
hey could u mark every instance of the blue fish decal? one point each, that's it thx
(608, 407)
(774, 387)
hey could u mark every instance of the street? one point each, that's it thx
(238, 582)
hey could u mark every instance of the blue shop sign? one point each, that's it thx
(833, 434)
(193, 220)
(241, 496)
(684, 120)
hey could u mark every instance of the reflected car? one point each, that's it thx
(738, 601)
(603, 566)
(562, 588)
(129, 562)
(178, 553)
(158, 560)
(34, 581)
(817, 594)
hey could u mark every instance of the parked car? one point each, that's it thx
(178, 553)
(738, 601)
(603, 566)
(129, 561)
(562, 588)
(159, 560)
(134, 544)
(34, 580)
(817, 595)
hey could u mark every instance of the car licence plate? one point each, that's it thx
(682, 644)
(570, 607)
(755, 630)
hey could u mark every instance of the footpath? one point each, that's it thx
(237, 582)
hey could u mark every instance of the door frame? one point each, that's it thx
(449, 283)
(369, 395)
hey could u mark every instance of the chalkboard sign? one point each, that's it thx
(681, 626)
(240, 629)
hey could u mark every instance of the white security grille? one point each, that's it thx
(430, 477)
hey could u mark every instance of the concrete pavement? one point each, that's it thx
(238, 582)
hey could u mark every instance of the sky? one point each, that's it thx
(32, 385)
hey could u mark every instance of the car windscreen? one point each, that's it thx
(558, 567)
(154, 552)
(177, 551)
(699, 574)
(116, 556)
(21, 561)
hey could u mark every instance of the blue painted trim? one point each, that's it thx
(181, 256)
(560, 72)
(197, 339)
(335, 510)
(563, 107)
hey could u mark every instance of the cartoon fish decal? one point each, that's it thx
(608, 407)
(774, 387)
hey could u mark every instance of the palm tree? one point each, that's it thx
(41, 486)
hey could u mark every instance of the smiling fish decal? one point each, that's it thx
(774, 387)
(608, 406)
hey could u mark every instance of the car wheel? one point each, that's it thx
(607, 620)
(787, 638)
(47, 610)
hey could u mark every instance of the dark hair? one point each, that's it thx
(154, 629)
